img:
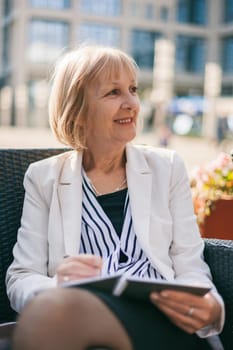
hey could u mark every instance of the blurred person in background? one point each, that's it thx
(107, 206)
(221, 129)
(164, 136)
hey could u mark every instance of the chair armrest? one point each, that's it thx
(219, 256)
(6, 329)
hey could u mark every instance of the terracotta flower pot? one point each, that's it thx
(220, 223)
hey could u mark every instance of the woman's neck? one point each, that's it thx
(103, 161)
(105, 170)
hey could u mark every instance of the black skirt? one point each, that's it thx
(148, 328)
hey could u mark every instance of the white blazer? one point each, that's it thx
(162, 213)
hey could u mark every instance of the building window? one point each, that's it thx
(142, 47)
(227, 90)
(164, 13)
(227, 54)
(50, 4)
(192, 11)
(190, 54)
(47, 39)
(228, 11)
(101, 8)
(149, 11)
(6, 36)
(100, 34)
(7, 7)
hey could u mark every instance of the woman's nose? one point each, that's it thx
(130, 102)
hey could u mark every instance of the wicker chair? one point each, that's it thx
(13, 164)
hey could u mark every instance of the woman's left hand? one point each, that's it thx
(187, 311)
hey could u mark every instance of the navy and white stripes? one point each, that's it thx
(99, 237)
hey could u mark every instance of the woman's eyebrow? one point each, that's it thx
(118, 82)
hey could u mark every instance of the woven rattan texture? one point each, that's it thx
(13, 164)
(219, 255)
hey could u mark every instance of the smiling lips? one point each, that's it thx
(124, 121)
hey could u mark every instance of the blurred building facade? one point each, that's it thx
(35, 32)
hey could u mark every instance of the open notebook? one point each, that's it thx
(134, 287)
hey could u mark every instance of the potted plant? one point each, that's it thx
(212, 190)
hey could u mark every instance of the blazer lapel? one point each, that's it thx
(140, 187)
(70, 197)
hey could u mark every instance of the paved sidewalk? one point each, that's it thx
(193, 150)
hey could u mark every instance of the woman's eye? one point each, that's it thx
(113, 92)
(134, 89)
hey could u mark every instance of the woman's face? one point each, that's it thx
(113, 106)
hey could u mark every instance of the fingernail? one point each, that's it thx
(154, 296)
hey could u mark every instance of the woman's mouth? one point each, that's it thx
(124, 121)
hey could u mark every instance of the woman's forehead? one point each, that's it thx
(114, 76)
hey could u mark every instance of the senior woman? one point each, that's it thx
(104, 207)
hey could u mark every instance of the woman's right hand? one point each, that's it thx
(79, 267)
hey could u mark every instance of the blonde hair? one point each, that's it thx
(68, 105)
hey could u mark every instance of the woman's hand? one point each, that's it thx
(187, 311)
(79, 267)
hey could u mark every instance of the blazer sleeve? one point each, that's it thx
(28, 273)
(187, 245)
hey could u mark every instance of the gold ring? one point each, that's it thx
(190, 311)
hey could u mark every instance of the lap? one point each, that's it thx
(149, 328)
(145, 325)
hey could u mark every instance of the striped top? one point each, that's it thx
(99, 237)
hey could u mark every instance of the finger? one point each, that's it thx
(183, 297)
(75, 270)
(88, 259)
(91, 259)
(189, 323)
(78, 268)
(179, 307)
(183, 321)
(175, 309)
(206, 308)
(203, 306)
(68, 277)
(79, 262)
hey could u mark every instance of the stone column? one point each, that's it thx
(212, 89)
(163, 79)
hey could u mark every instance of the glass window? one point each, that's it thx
(192, 11)
(7, 7)
(149, 11)
(52, 4)
(228, 10)
(6, 36)
(101, 8)
(190, 54)
(182, 11)
(100, 34)
(164, 13)
(227, 90)
(142, 47)
(227, 54)
(47, 39)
